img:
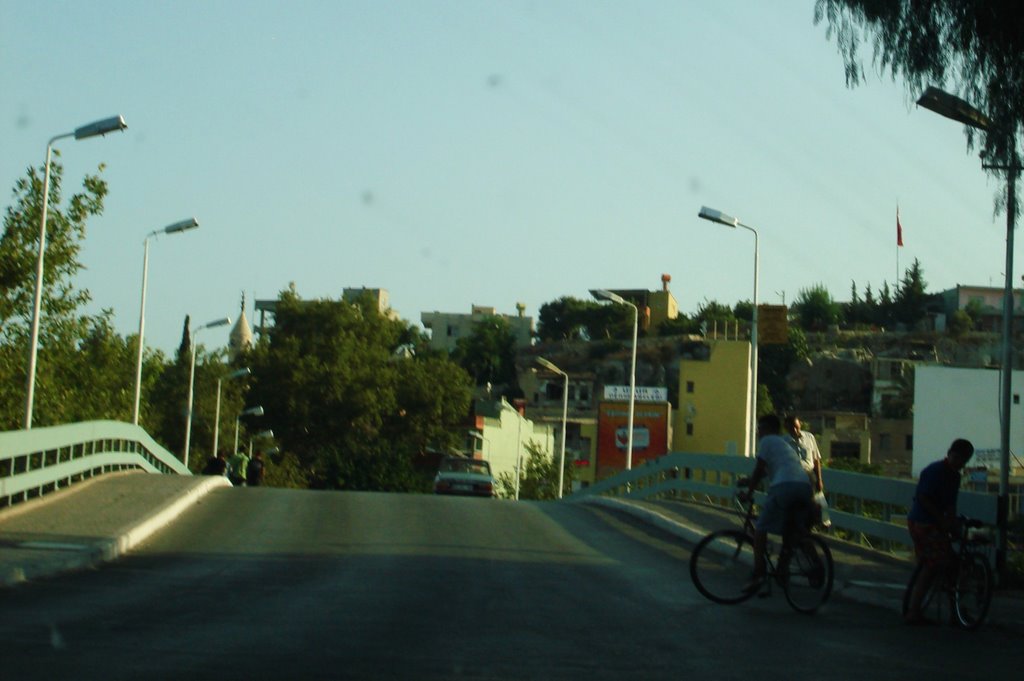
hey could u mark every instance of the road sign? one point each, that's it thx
(772, 324)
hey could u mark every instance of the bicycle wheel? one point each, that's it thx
(806, 572)
(720, 566)
(972, 593)
(935, 605)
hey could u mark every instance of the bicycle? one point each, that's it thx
(721, 564)
(963, 586)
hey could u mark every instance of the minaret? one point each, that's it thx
(241, 335)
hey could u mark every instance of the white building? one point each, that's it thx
(953, 402)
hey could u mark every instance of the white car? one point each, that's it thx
(465, 477)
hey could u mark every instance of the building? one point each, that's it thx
(501, 434)
(543, 390)
(379, 296)
(446, 328)
(953, 402)
(714, 385)
(654, 308)
(987, 302)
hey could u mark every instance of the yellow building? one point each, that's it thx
(714, 389)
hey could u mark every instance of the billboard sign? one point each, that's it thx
(642, 393)
(650, 433)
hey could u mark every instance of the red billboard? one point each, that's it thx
(650, 434)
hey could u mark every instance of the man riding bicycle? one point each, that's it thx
(790, 496)
(931, 519)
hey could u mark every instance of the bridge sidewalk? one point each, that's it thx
(92, 521)
(863, 575)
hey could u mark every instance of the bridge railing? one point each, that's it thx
(42, 460)
(869, 508)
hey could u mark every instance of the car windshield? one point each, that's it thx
(466, 466)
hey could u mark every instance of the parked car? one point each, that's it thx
(465, 477)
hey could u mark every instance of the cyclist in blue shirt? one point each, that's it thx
(932, 517)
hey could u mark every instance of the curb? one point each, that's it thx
(50, 560)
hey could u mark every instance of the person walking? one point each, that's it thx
(239, 464)
(256, 471)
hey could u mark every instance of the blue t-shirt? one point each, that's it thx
(941, 484)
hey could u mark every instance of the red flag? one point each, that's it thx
(899, 228)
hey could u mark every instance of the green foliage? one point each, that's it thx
(539, 478)
(352, 412)
(488, 354)
(910, 304)
(67, 388)
(571, 319)
(975, 48)
(815, 310)
(960, 323)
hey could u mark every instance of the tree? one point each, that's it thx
(488, 354)
(973, 47)
(64, 332)
(815, 309)
(911, 303)
(539, 479)
(352, 412)
(562, 319)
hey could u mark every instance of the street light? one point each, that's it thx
(251, 411)
(565, 413)
(958, 110)
(245, 371)
(181, 226)
(101, 127)
(729, 221)
(224, 321)
(602, 294)
(262, 435)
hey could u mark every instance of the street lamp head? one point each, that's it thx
(252, 411)
(954, 108)
(224, 321)
(112, 124)
(718, 216)
(549, 365)
(181, 226)
(602, 294)
(263, 434)
(238, 373)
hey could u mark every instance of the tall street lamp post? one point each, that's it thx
(224, 321)
(958, 110)
(602, 294)
(101, 127)
(729, 221)
(565, 413)
(181, 226)
(251, 411)
(245, 371)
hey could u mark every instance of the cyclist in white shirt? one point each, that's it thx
(789, 488)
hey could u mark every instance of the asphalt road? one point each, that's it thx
(280, 584)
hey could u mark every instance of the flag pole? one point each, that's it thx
(899, 244)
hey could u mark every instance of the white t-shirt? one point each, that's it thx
(780, 459)
(807, 449)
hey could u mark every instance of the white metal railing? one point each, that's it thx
(869, 506)
(41, 460)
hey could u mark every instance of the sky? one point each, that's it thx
(476, 152)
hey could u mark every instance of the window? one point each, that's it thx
(909, 443)
(884, 442)
(689, 386)
(689, 429)
(1016, 398)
